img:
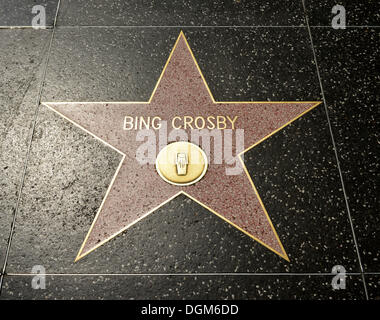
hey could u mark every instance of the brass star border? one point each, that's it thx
(282, 255)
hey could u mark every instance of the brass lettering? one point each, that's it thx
(155, 125)
(202, 121)
(145, 123)
(221, 120)
(187, 121)
(211, 124)
(128, 121)
(179, 122)
(173, 123)
(232, 121)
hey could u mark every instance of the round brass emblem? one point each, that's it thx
(181, 163)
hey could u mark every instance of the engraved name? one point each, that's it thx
(219, 122)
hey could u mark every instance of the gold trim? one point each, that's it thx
(80, 255)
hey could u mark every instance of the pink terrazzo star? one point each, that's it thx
(137, 190)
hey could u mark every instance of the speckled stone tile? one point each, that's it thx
(21, 61)
(181, 12)
(19, 12)
(256, 64)
(358, 13)
(373, 286)
(69, 171)
(110, 64)
(301, 188)
(184, 287)
(181, 236)
(118, 64)
(61, 200)
(181, 93)
(350, 77)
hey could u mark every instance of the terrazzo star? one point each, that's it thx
(181, 90)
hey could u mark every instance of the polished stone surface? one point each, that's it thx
(373, 286)
(301, 188)
(181, 13)
(21, 64)
(181, 95)
(283, 287)
(124, 64)
(52, 132)
(295, 170)
(181, 236)
(349, 72)
(19, 13)
(358, 12)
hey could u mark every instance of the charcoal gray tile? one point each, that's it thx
(20, 12)
(350, 77)
(67, 177)
(297, 177)
(358, 13)
(116, 64)
(69, 171)
(373, 286)
(256, 64)
(184, 287)
(106, 64)
(181, 12)
(21, 63)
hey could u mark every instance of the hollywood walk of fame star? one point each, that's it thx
(137, 190)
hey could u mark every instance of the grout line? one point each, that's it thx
(335, 151)
(182, 274)
(202, 27)
(372, 273)
(365, 26)
(2, 273)
(176, 26)
(26, 27)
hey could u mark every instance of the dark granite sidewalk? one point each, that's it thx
(318, 177)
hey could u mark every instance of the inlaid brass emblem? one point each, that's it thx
(181, 163)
